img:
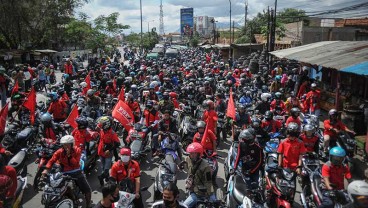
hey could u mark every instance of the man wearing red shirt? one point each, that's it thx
(333, 173)
(108, 143)
(68, 68)
(57, 108)
(294, 117)
(210, 116)
(11, 187)
(134, 106)
(210, 143)
(270, 125)
(332, 128)
(277, 105)
(126, 168)
(81, 135)
(291, 150)
(312, 100)
(68, 156)
(309, 138)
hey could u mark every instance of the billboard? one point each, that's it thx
(186, 21)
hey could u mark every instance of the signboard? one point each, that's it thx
(186, 21)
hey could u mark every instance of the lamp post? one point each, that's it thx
(149, 33)
(230, 21)
(140, 4)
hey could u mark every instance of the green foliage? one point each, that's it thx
(149, 39)
(290, 15)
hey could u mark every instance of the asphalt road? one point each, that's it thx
(148, 167)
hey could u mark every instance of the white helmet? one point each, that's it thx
(265, 96)
(67, 139)
(83, 84)
(358, 192)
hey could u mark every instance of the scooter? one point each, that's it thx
(229, 161)
(18, 163)
(137, 142)
(23, 139)
(187, 129)
(90, 157)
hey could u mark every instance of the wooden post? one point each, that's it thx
(337, 95)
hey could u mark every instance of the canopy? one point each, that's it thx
(46, 51)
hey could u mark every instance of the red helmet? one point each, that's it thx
(173, 95)
(195, 147)
(125, 151)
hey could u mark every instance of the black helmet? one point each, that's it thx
(256, 123)
(268, 115)
(293, 129)
(166, 96)
(278, 95)
(295, 112)
(46, 118)
(82, 122)
(246, 135)
(309, 130)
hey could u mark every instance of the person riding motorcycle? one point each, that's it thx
(48, 128)
(166, 104)
(107, 146)
(110, 89)
(209, 144)
(262, 137)
(291, 149)
(310, 138)
(207, 88)
(81, 134)
(313, 100)
(68, 156)
(358, 192)
(251, 155)
(277, 106)
(8, 184)
(294, 117)
(264, 105)
(58, 108)
(134, 106)
(210, 115)
(94, 102)
(246, 98)
(332, 128)
(334, 172)
(128, 169)
(16, 103)
(221, 107)
(293, 102)
(276, 84)
(199, 180)
(150, 119)
(242, 118)
(269, 124)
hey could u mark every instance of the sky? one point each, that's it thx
(130, 13)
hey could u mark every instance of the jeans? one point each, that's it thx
(192, 199)
(106, 163)
(3, 96)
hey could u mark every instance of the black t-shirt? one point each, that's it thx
(99, 205)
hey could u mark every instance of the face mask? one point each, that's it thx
(294, 134)
(125, 158)
(168, 203)
(115, 199)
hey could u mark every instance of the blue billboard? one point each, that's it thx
(186, 21)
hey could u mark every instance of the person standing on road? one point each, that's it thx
(3, 87)
(170, 197)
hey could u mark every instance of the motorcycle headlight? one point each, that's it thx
(287, 175)
(167, 177)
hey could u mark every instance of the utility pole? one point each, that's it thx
(141, 47)
(246, 14)
(273, 27)
(233, 31)
(268, 34)
(162, 28)
(230, 21)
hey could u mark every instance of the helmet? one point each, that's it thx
(265, 96)
(125, 151)
(67, 139)
(337, 155)
(165, 96)
(268, 115)
(313, 85)
(134, 87)
(83, 84)
(90, 92)
(358, 192)
(46, 118)
(206, 83)
(278, 78)
(110, 83)
(195, 147)
(241, 107)
(295, 112)
(278, 95)
(229, 82)
(293, 129)
(82, 122)
(256, 123)
(105, 122)
(201, 124)
(173, 94)
(54, 96)
(309, 130)
(210, 104)
(332, 112)
(246, 135)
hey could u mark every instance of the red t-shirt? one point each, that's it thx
(276, 125)
(57, 109)
(150, 116)
(309, 143)
(291, 119)
(81, 137)
(327, 125)
(210, 117)
(208, 141)
(291, 151)
(119, 172)
(108, 137)
(50, 134)
(68, 164)
(10, 171)
(336, 174)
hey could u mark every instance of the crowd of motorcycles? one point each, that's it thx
(276, 186)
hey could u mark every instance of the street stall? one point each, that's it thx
(343, 70)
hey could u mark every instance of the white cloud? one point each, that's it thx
(130, 14)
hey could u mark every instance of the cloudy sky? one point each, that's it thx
(130, 14)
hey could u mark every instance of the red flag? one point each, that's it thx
(15, 88)
(205, 136)
(123, 114)
(30, 104)
(114, 84)
(231, 106)
(3, 116)
(72, 116)
(88, 81)
(122, 94)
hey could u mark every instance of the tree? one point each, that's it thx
(108, 24)
(290, 15)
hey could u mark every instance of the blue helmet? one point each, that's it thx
(54, 96)
(278, 77)
(337, 151)
(65, 76)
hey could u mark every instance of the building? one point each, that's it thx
(204, 26)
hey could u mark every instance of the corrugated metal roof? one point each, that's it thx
(346, 56)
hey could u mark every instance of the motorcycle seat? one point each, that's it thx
(239, 189)
(136, 145)
(24, 134)
(17, 161)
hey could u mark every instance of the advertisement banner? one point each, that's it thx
(186, 21)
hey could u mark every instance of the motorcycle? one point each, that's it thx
(60, 190)
(187, 131)
(126, 194)
(23, 139)
(166, 172)
(18, 163)
(238, 194)
(137, 141)
(229, 161)
(344, 140)
(221, 128)
(89, 156)
(44, 152)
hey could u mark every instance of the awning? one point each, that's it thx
(46, 51)
(347, 56)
